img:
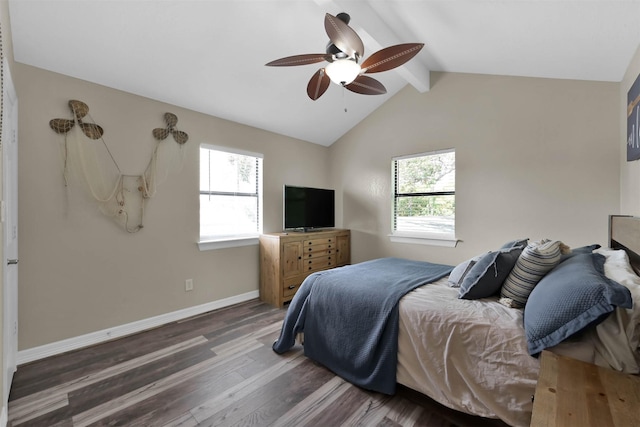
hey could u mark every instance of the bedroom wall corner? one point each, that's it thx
(80, 271)
(629, 171)
(535, 158)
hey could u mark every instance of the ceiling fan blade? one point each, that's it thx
(310, 58)
(343, 36)
(318, 84)
(391, 57)
(366, 86)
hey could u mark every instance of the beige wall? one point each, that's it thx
(629, 171)
(79, 272)
(535, 158)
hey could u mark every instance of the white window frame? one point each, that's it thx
(414, 237)
(233, 240)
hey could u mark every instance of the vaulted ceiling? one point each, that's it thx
(209, 56)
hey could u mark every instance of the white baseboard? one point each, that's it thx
(36, 353)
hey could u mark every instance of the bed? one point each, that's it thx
(464, 335)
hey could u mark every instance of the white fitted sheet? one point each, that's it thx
(470, 355)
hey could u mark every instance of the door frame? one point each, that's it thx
(9, 218)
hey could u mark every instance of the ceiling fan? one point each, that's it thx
(344, 52)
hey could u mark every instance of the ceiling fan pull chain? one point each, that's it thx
(344, 101)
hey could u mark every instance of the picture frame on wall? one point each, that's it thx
(633, 121)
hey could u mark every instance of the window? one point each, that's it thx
(230, 196)
(424, 195)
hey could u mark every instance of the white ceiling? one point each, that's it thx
(209, 56)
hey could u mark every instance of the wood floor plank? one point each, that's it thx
(186, 420)
(34, 402)
(314, 404)
(221, 402)
(217, 368)
(43, 406)
(371, 412)
(87, 417)
(341, 409)
(140, 377)
(402, 412)
(265, 405)
(175, 403)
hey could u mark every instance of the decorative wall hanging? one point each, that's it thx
(92, 167)
(171, 119)
(633, 121)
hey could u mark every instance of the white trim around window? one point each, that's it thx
(232, 242)
(445, 240)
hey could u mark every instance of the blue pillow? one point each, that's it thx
(486, 276)
(460, 271)
(572, 296)
(514, 243)
(581, 250)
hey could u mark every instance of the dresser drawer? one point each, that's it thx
(319, 251)
(320, 263)
(319, 242)
(290, 286)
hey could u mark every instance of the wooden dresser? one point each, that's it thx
(574, 393)
(286, 259)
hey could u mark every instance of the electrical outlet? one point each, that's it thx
(188, 285)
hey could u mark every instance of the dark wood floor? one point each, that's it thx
(214, 369)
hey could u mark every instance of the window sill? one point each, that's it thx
(231, 242)
(425, 239)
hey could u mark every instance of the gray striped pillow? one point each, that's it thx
(536, 260)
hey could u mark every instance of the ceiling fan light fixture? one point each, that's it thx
(343, 71)
(343, 53)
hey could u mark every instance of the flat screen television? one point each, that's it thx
(307, 208)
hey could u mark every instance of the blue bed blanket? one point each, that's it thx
(349, 316)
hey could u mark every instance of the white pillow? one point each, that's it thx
(618, 337)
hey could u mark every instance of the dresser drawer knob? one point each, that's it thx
(292, 287)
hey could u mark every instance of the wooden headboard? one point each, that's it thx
(624, 233)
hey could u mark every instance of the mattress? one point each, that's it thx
(470, 355)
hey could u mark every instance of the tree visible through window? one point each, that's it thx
(230, 193)
(424, 193)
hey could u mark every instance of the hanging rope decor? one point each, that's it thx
(89, 164)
